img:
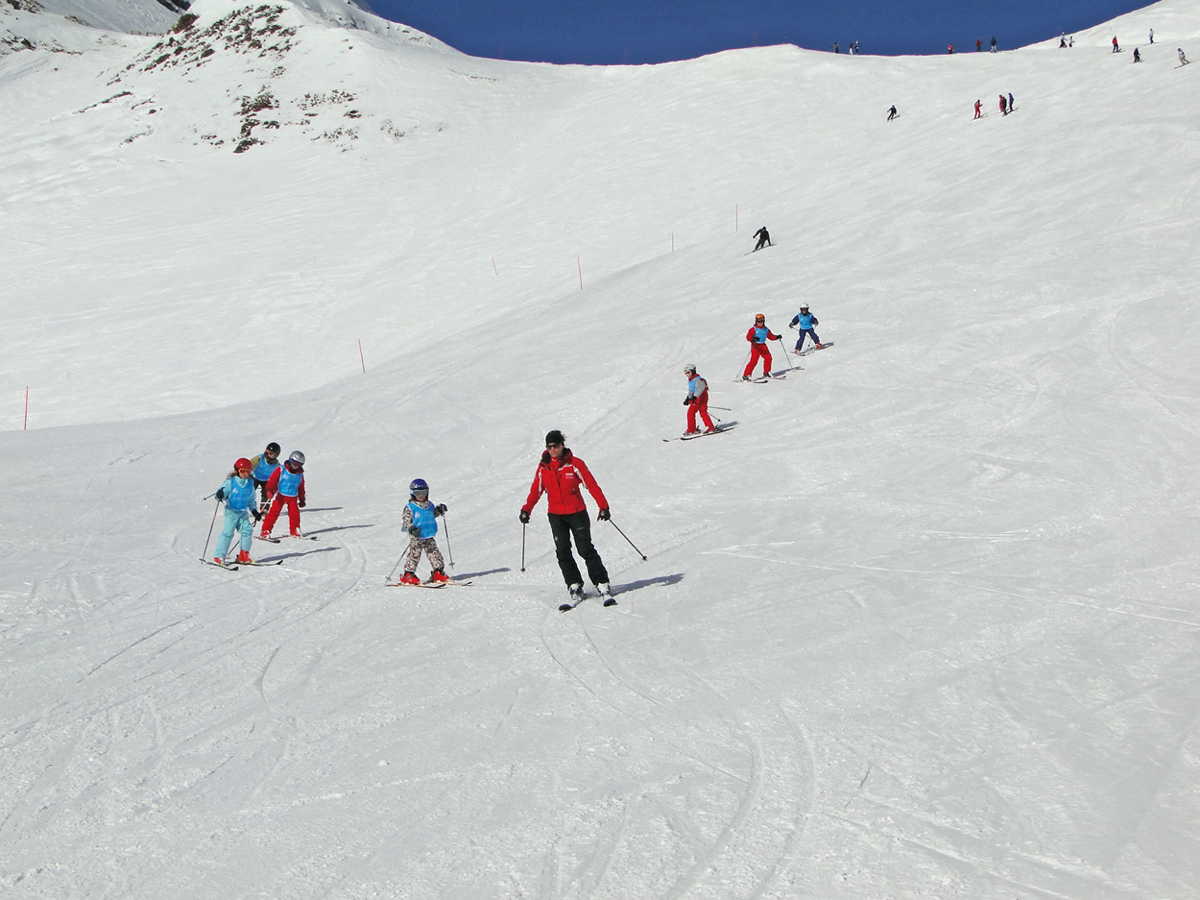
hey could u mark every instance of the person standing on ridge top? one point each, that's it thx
(806, 322)
(892, 113)
(993, 45)
(559, 476)
(758, 335)
(263, 467)
(286, 487)
(764, 239)
(420, 521)
(697, 401)
(978, 45)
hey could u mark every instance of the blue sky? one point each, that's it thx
(615, 31)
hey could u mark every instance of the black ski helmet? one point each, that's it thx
(273, 448)
(555, 437)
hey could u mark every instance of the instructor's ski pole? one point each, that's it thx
(522, 546)
(631, 543)
(204, 555)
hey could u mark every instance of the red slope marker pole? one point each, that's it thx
(360, 356)
(578, 263)
(26, 428)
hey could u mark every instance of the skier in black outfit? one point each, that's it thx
(892, 112)
(764, 239)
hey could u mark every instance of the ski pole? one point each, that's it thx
(739, 377)
(204, 555)
(783, 347)
(449, 552)
(631, 543)
(722, 408)
(522, 546)
(395, 567)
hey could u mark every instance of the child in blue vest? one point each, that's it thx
(420, 521)
(238, 495)
(263, 467)
(286, 487)
(807, 321)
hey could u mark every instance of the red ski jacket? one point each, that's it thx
(771, 336)
(560, 480)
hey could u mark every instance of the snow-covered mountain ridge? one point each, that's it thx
(924, 624)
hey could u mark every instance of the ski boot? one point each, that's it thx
(410, 578)
(439, 577)
(606, 592)
(244, 557)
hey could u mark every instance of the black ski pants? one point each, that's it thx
(579, 526)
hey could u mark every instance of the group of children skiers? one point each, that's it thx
(276, 485)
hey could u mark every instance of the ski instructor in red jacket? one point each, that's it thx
(559, 476)
(758, 335)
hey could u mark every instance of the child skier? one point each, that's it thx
(420, 521)
(264, 466)
(758, 335)
(286, 486)
(807, 322)
(238, 495)
(697, 401)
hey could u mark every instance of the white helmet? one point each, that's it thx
(297, 457)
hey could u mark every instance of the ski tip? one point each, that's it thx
(566, 607)
(610, 602)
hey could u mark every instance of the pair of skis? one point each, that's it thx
(609, 600)
(724, 426)
(428, 584)
(277, 540)
(233, 567)
(812, 349)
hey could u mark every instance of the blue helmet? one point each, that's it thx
(418, 484)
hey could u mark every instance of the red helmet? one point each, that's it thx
(242, 463)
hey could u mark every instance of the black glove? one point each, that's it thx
(414, 530)
(687, 402)
(257, 515)
(604, 515)
(524, 517)
(220, 493)
(440, 509)
(302, 504)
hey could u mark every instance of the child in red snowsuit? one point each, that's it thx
(697, 401)
(758, 335)
(286, 486)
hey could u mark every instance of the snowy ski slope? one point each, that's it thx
(924, 625)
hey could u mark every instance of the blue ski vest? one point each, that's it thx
(289, 482)
(264, 470)
(424, 519)
(760, 335)
(239, 493)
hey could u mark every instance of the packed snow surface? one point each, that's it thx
(925, 624)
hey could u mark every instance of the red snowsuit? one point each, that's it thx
(278, 501)
(698, 404)
(560, 480)
(759, 351)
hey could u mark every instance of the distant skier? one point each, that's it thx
(764, 239)
(979, 109)
(1003, 105)
(697, 401)
(892, 112)
(1062, 42)
(559, 476)
(238, 495)
(264, 466)
(1152, 35)
(978, 45)
(758, 335)
(1116, 46)
(993, 45)
(806, 322)
(286, 487)
(1012, 104)
(950, 49)
(1183, 60)
(420, 521)
(836, 48)
(1137, 57)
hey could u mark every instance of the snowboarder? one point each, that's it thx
(892, 112)
(1003, 105)
(1183, 60)
(979, 109)
(1137, 57)
(264, 466)
(1116, 46)
(420, 521)
(993, 45)
(559, 476)
(806, 322)
(286, 486)
(697, 401)
(758, 335)
(238, 495)
(764, 239)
